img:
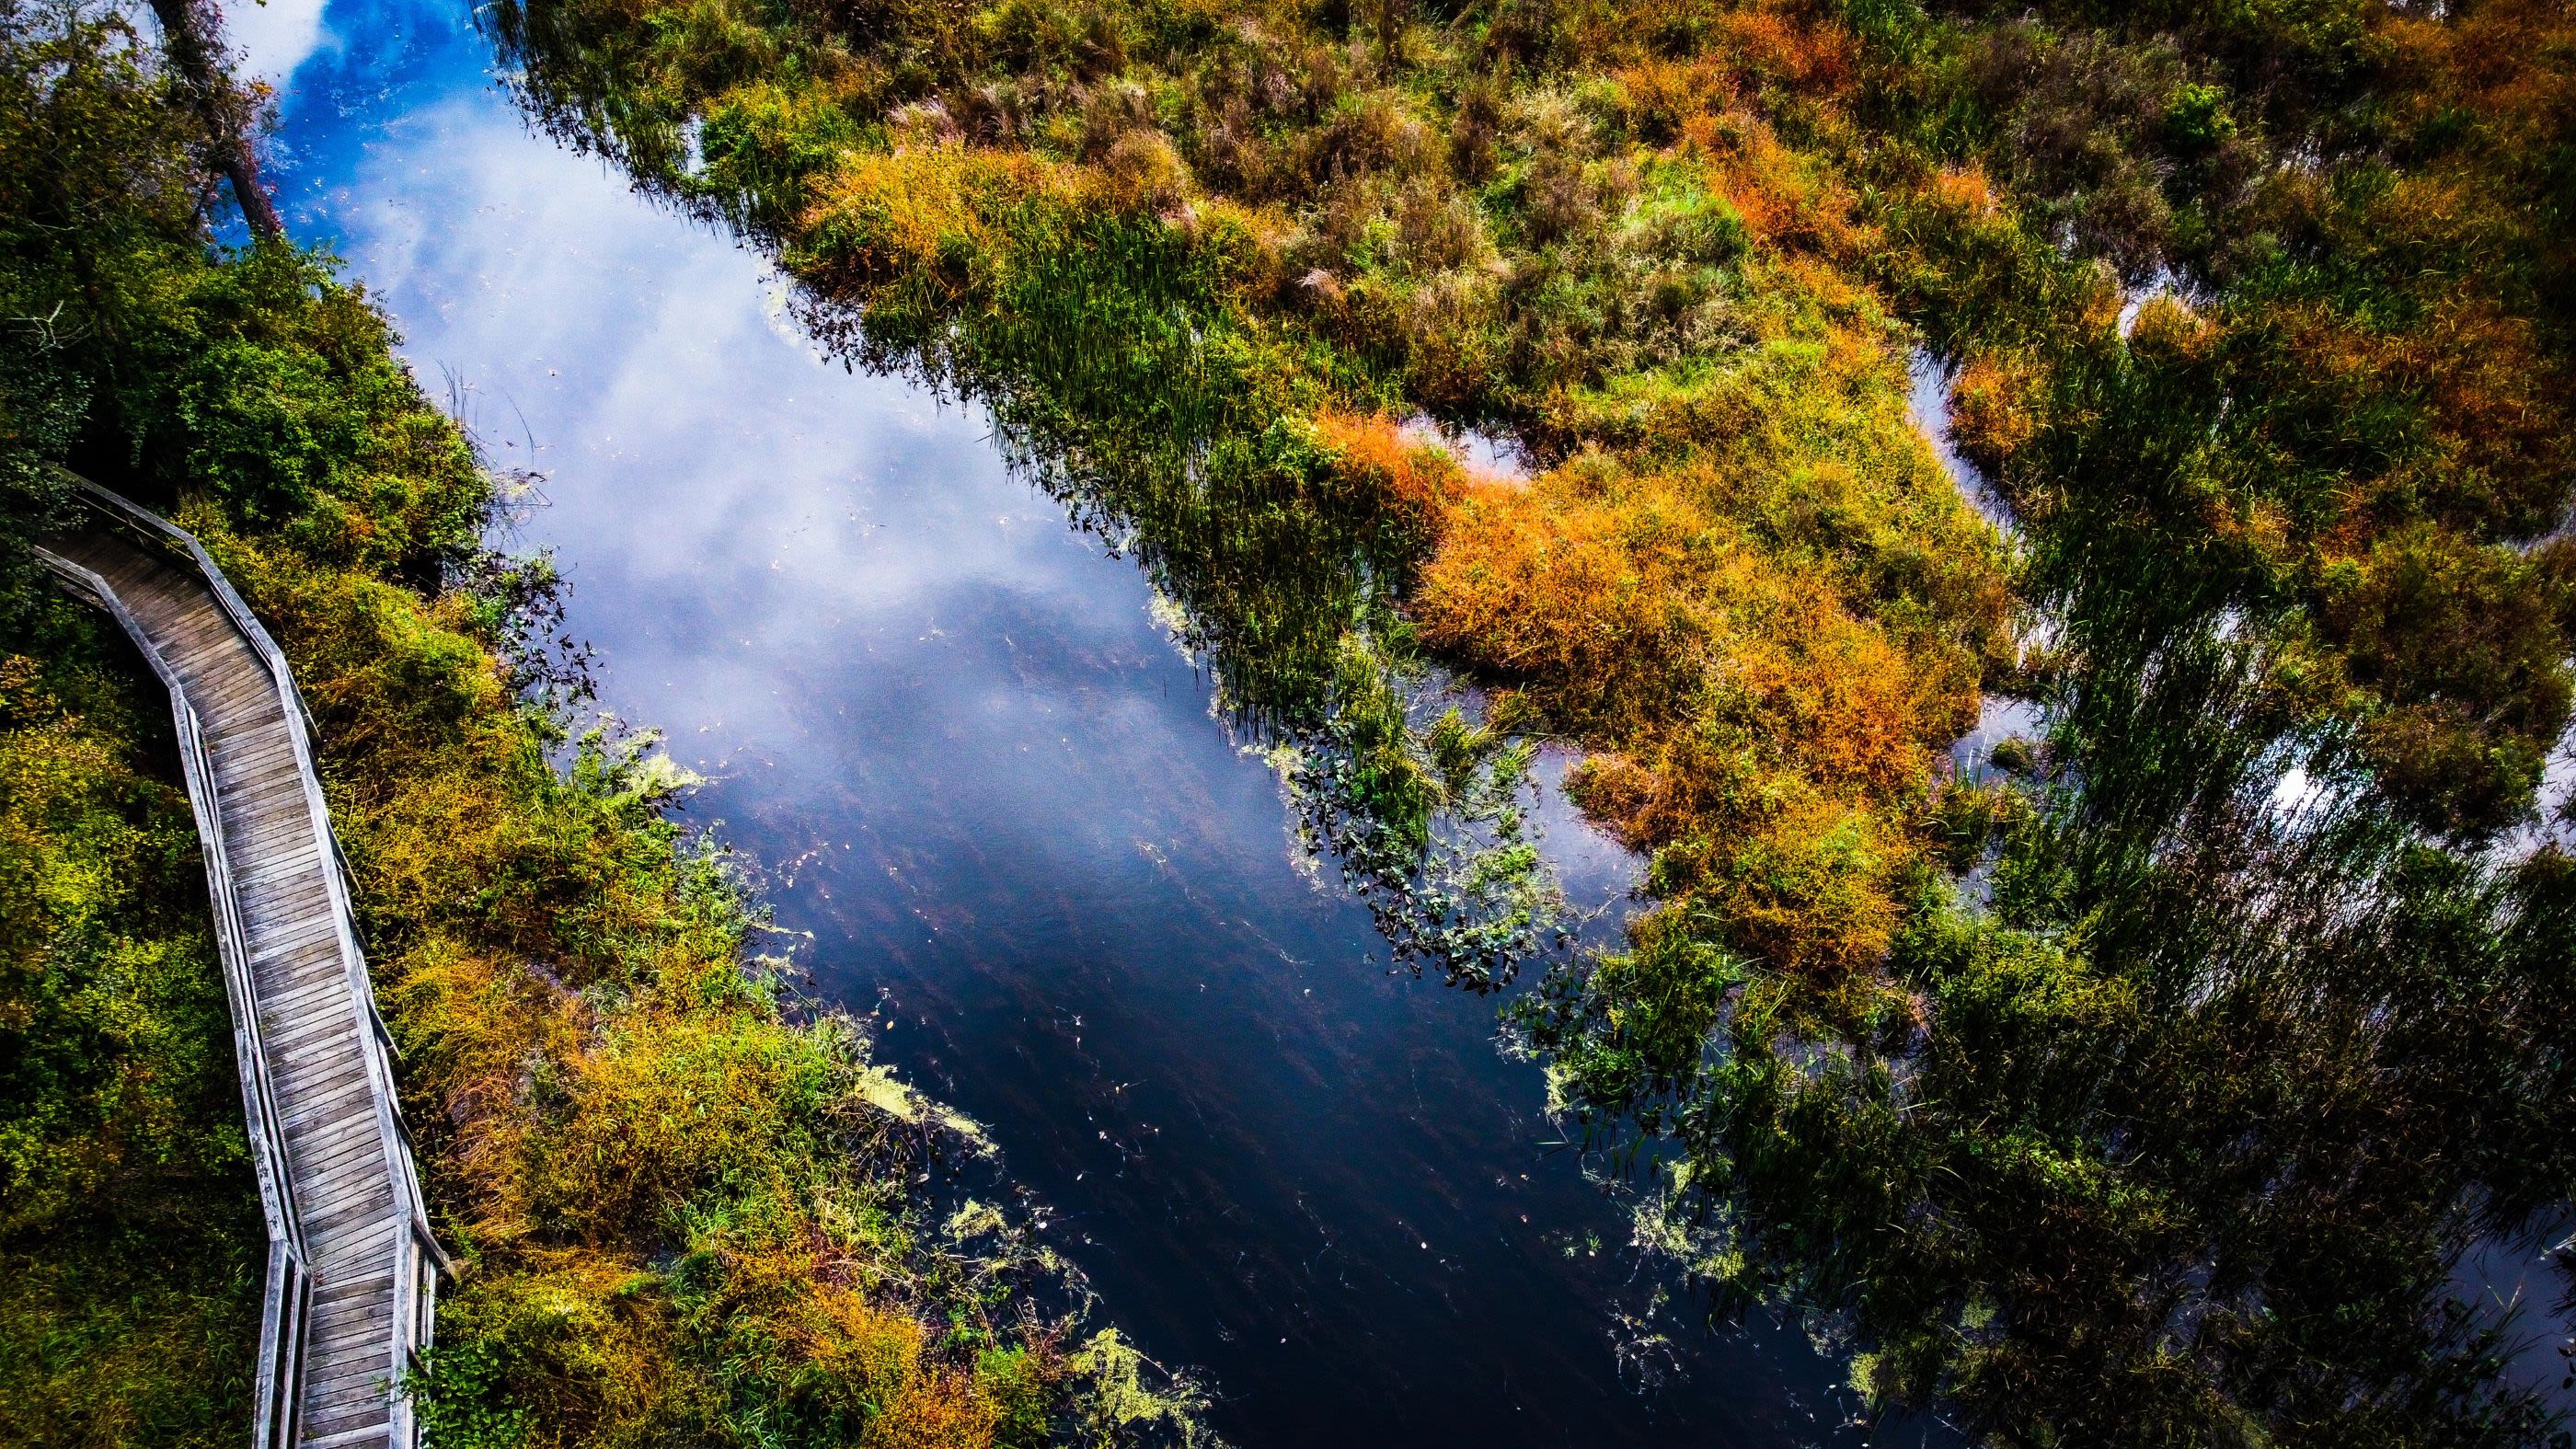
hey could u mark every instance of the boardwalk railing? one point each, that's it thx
(288, 1303)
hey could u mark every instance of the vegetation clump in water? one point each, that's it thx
(2178, 1136)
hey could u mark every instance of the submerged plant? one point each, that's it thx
(1426, 824)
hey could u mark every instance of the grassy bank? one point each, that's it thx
(2146, 1094)
(688, 1209)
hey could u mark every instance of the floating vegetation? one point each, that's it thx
(1427, 824)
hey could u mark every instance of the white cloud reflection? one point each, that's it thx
(274, 37)
(769, 549)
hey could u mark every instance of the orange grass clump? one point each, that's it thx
(1756, 729)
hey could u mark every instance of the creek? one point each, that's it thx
(993, 807)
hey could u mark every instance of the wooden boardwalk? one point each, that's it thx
(352, 1266)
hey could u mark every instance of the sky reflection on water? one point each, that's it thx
(990, 793)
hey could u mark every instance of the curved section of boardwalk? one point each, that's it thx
(352, 1267)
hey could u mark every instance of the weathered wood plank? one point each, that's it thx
(291, 977)
(245, 715)
(324, 1160)
(306, 1093)
(280, 802)
(330, 1294)
(300, 971)
(286, 887)
(237, 778)
(268, 787)
(348, 1438)
(293, 980)
(360, 1376)
(305, 994)
(299, 964)
(277, 944)
(321, 1056)
(376, 1205)
(292, 983)
(365, 1397)
(324, 1105)
(122, 566)
(358, 1367)
(201, 638)
(351, 1351)
(197, 626)
(375, 1417)
(246, 710)
(350, 1362)
(308, 856)
(369, 1280)
(284, 892)
(358, 1424)
(326, 1018)
(269, 779)
(352, 1206)
(272, 826)
(346, 1348)
(355, 1188)
(248, 719)
(351, 1332)
(366, 1248)
(233, 687)
(254, 750)
(277, 802)
(338, 1325)
(361, 1124)
(258, 720)
(261, 742)
(319, 1099)
(322, 1013)
(354, 1179)
(272, 774)
(275, 822)
(284, 827)
(336, 1206)
(287, 901)
(291, 832)
(174, 605)
(361, 1149)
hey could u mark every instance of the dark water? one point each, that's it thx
(992, 802)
